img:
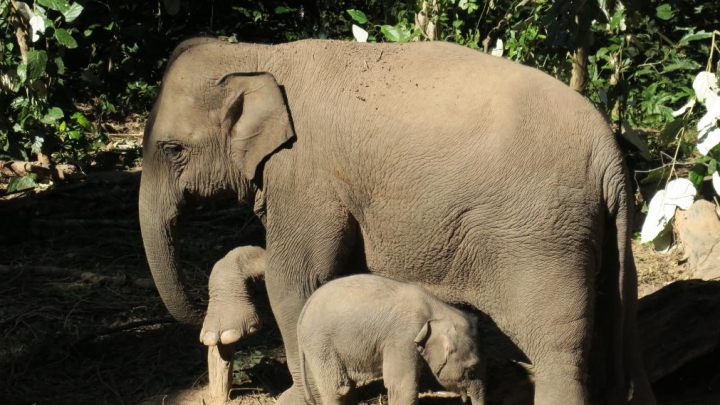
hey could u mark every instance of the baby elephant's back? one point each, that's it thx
(359, 303)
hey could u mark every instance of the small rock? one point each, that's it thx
(699, 230)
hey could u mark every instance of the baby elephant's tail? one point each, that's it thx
(309, 398)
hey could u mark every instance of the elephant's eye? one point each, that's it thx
(172, 150)
(471, 374)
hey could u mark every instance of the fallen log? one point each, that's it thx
(54, 172)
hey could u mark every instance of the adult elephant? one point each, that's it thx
(488, 182)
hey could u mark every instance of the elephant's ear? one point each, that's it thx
(255, 118)
(434, 345)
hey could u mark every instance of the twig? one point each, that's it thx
(133, 134)
(125, 327)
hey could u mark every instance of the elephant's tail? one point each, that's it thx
(309, 398)
(618, 283)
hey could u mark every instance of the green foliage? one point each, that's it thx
(91, 62)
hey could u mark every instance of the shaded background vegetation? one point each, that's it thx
(94, 62)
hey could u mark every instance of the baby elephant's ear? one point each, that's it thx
(255, 117)
(423, 336)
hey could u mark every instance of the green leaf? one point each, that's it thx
(60, 65)
(284, 10)
(22, 72)
(665, 12)
(358, 16)
(81, 120)
(72, 12)
(36, 64)
(670, 131)
(696, 175)
(65, 39)
(712, 166)
(74, 134)
(57, 5)
(687, 38)
(22, 183)
(37, 145)
(683, 64)
(391, 33)
(656, 175)
(52, 115)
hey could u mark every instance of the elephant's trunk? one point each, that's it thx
(158, 210)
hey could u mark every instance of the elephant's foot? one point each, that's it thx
(292, 396)
(228, 322)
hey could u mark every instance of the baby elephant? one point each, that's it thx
(363, 327)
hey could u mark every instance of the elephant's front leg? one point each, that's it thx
(301, 257)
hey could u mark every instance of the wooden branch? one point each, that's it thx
(54, 172)
(220, 360)
(86, 276)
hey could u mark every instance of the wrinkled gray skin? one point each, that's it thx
(487, 182)
(359, 328)
(228, 290)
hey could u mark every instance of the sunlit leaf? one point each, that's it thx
(681, 110)
(498, 50)
(705, 86)
(81, 120)
(665, 12)
(36, 146)
(391, 33)
(72, 12)
(683, 64)
(358, 16)
(37, 27)
(57, 5)
(689, 37)
(360, 34)
(658, 217)
(52, 115)
(36, 64)
(65, 39)
(680, 192)
(22, 183)
(22, 72)
(708, 140)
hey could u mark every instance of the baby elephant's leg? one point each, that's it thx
(231, 314)
(400, 374)
(332, 382)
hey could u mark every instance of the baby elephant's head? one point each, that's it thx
(450, 345)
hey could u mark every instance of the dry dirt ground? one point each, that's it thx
(81, 322)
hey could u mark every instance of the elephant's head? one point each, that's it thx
(215, 121)
(451, 349)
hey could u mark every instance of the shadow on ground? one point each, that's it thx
(81, 322)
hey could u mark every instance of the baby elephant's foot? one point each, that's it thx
(229, 322)
(231, 313)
